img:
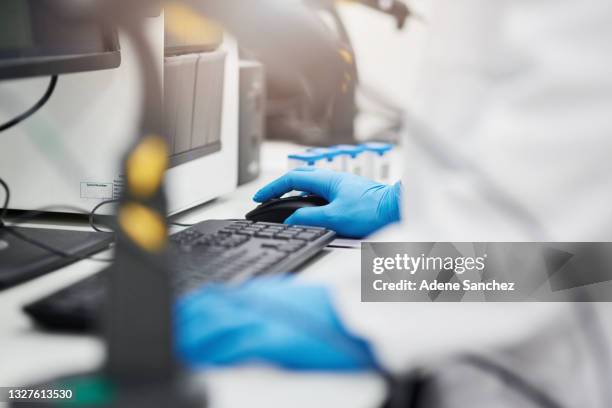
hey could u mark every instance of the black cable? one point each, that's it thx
(92, 214)
(180, 224)
(510, 378)
(45, 98)
(7, 198)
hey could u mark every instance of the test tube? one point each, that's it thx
(330, 159)
(377, 161)
(351, 158)
(306, 159)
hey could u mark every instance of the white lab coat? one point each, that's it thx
(509, 139)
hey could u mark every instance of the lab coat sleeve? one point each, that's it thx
(508, 140)
(408, 335)
(552, 345)
(509, 133)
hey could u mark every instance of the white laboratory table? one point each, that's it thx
(28, 355)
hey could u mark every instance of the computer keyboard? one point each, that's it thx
(211, 251)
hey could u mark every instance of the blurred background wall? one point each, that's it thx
(388, 58)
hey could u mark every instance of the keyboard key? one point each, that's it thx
(270, 224)
(285, 235)
(237, 243)
(317, 231)
(264, 234)
(272, 245)
(308, 236)
(308, 227)
(245, 232)
(202, 241)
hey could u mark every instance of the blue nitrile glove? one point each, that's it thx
(357, 206)
(267, 320)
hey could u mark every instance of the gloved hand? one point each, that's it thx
(357, 206)
(271, 320)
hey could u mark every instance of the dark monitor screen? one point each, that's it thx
(35, 39)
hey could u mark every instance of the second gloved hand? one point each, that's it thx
(357, 206)
(276, 321)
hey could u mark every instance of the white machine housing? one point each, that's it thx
(69, 153)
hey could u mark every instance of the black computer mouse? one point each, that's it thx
(279, 209)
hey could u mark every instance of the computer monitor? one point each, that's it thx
(82, 132)
(36, 40)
